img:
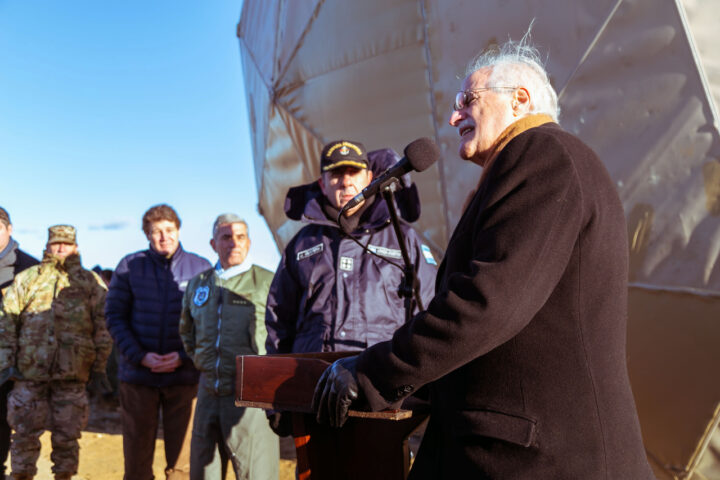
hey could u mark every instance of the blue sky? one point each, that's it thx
(108, 108)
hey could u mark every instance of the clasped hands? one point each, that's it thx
(336, 390)
(161, 363)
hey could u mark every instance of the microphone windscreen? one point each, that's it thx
(422, 153)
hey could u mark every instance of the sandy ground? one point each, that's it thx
(101, 459)
(101, 456)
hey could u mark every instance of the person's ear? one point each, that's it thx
(212, 244)
(521, 102)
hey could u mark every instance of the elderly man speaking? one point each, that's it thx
(523, 345)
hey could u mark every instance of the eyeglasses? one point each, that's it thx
(465, 97)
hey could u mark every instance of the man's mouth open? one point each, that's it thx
(465, 129)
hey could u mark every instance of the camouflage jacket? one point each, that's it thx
(52, 325)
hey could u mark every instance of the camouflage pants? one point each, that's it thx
(61, 407)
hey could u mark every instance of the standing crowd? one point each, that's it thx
(177, 323)
(520, 343)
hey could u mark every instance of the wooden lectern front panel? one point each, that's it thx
(368, 446)
(286, 383)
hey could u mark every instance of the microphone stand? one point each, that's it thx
(408, 287)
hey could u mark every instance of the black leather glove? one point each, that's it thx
(99, 384)
(281, 423)
(335, 392)
(10, 373)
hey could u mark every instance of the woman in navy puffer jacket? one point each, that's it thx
(142, 311)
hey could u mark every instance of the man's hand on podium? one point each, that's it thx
(335, 392)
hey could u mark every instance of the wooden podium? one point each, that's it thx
(371, 445)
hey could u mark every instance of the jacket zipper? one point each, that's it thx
(163, 318)
(217, 345)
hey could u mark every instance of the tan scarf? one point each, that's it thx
(512, 131)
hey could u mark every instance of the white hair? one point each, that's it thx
(226, 218)
(519, 64)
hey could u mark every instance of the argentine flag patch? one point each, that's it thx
(428, 255)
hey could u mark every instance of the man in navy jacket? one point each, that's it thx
(143, 311)
(331, 293)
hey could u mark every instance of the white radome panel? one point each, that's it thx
(384, 73)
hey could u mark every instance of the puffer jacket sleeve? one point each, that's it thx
(118, 311)
(282, 307)
(187, 323)
(101, 336)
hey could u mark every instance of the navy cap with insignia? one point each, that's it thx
(343, 153)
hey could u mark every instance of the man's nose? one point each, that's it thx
(455, 118)
(346, 180)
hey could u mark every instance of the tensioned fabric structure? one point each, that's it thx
(631, 84)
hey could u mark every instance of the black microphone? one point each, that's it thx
(419, 155)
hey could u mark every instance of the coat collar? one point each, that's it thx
(515, 129)
(162, 260)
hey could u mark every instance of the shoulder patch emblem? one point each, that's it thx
(385, 252)
(310, 252)
(428, 255)
(201, 296)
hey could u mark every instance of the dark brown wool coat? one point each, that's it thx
(524, 342)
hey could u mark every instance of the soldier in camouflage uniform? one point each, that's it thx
(53, 340)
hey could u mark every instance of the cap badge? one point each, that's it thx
(343, 148)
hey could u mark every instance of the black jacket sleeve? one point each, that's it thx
(505, 258)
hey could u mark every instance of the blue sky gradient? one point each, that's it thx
(108, 108)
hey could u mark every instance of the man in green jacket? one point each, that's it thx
(223, 316)
(53, 341)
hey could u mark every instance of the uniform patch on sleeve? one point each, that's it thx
(428, 255)
(385, 252)
(201, 296)
(310, 252)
